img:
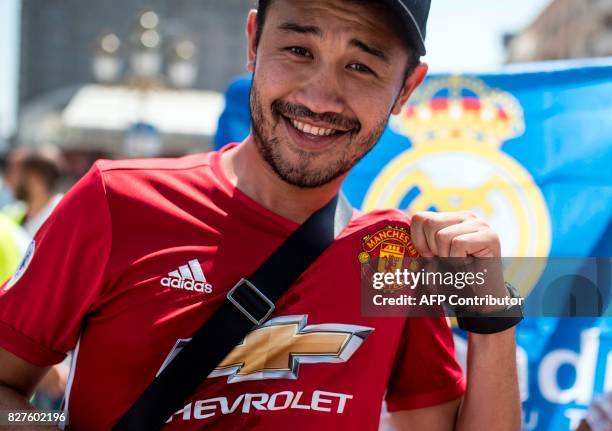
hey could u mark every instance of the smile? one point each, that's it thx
(311, 137)
(313, 130)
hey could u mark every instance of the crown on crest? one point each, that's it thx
(460, 109)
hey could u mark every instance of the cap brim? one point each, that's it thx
(414, 33)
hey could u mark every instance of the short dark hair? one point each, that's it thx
(414, 59)
(46, 167)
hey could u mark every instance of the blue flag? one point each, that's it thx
(529, 150)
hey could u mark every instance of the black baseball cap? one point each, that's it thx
(414, 14)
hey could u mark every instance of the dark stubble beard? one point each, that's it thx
(302, 173)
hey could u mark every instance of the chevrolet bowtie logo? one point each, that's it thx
(276, 349)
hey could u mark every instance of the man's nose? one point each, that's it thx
(322, 91)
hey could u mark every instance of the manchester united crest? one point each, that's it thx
(388, 250)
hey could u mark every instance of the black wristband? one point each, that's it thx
(492, 323)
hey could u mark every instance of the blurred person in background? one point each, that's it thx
(37, 175)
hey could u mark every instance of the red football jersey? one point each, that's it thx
(139, 254)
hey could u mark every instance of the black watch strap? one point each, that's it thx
(492, 323)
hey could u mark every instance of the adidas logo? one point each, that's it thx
(188, 277)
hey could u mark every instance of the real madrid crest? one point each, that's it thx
(457, 126)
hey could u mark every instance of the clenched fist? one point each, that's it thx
(471, 240)
(453, 234)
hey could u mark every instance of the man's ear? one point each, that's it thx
(410, 84)
(251, 33)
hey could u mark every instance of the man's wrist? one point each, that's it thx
(494, 339)
(495, 322)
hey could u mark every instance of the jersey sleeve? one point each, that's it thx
(60, 278)
(426, 371)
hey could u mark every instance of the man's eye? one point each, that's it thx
(299, 51)
(358, 67)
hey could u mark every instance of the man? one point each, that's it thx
(143, 252)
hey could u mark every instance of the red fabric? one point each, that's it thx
(97, 276)
(437, 379)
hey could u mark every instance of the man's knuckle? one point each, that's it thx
(429, 222)
(458, 242)
(443, 237)
(419, 217)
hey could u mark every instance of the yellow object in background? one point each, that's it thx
(13, 243)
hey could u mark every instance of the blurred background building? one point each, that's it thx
(58, 38)
(126, 78)
(566, 29)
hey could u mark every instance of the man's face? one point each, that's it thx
(22, 189)
(327, 75)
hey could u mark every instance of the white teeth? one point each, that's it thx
(312, 130)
